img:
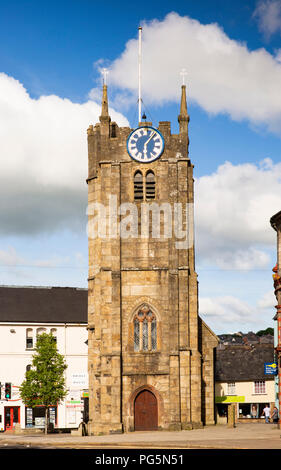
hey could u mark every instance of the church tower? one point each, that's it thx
(150, 355)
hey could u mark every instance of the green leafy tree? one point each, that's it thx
(268, 331)
(44, 383)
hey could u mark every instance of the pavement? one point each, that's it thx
(243, 436)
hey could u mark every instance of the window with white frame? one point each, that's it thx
(40, 331)
(54, 334)
(29, 338)
(259, 387)
(231, 389)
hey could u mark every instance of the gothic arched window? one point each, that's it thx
(138, 186)
(145, 330)
(149, 185)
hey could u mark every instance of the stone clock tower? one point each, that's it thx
(150, 355)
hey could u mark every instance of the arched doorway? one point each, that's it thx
(146, 411)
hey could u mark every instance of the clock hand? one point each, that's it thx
(148, 140)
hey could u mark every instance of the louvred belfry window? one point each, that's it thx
(149, 186)
(138, 186)
(145, 330)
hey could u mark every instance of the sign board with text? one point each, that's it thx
(270, 368)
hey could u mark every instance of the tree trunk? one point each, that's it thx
(46, 420)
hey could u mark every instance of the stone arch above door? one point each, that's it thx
(159, 399)
(145, 411)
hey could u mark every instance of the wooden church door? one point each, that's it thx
(146, 413)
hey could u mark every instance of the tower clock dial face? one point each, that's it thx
(145, 144)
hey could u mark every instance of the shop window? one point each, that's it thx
(35, 417)
(261, 407)
(222, 410)
(255, 410)
(244, 410)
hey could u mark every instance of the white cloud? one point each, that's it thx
(278, 55)
(238, 259)
(52, 268)
(268, 300)
(227, 314)
(268, 15)
(227, 308)
(224, 76)
(11, 258)
(43, 148)
(233, 207)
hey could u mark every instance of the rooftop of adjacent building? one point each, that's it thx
(43, 304)
(247, 338)
(243, 362)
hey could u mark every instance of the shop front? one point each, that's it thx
(35, 417)
(251, 410)
(244, 411)
(222, 404)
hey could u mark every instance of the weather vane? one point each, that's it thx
(104, 73)
(183, 73)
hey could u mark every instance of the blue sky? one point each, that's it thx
(51, 54)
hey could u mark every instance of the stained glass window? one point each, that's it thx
(136, 335)
(145, 330)
(145, 335)
(153, 335)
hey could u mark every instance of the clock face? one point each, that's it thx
(145, 144)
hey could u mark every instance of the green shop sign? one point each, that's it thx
(230, 399)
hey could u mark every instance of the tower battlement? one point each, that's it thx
(108, 141)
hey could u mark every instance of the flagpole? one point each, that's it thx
(139, 100)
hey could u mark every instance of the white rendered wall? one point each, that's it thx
(14, 357)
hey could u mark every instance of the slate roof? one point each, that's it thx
(242, 362)
(43, 304)
(245, 338)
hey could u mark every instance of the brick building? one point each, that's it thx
(150, 355)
